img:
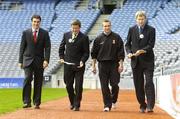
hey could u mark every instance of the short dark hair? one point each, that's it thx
(76, 22)
(36, 17)
(106, 20)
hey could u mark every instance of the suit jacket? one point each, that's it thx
(134, 43)
(75, 51)
(34, 52)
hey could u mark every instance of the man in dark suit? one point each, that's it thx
(34, 57)
(74, 52)
(139, 47)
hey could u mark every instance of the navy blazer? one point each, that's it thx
(134, 43)
(75, 51)
(37, 52)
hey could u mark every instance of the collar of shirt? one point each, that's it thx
(107, 34)
(74, 35)
(140, 26)
(33, 30)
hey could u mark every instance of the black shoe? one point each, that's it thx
(150, 110)
(27, 106)
(71, 107)
(37, 107)
(76, 109)
(142, 110)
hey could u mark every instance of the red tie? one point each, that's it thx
(35, 32)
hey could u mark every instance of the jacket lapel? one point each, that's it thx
(137, 33)
(39, 35)
(77, 37)
(31, 35)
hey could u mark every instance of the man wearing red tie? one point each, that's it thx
(34, 57)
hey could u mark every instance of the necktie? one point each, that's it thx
(140, 30)
(73, 36)
(141, 36)
(35, 37)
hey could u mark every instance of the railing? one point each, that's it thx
(9, 5)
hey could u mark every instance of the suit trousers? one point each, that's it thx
(141, 72)
(36, 73)
(73, 74)
(108, 74)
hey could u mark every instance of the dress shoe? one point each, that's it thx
(37, 107)
(76, 109)
(71, 107)
(142, 110)
(150, 110)
(27, 106)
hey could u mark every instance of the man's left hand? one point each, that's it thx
(120, 68)
(45, 64)
(81, 64)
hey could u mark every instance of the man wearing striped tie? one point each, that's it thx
(74, 52)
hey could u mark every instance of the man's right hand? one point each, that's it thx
(20, 65)
(139, 52)
(61, 61)
(94, 66)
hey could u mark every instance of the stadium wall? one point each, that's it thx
(168, 94)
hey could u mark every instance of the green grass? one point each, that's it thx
(11, 99)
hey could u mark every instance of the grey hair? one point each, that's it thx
(140, 13)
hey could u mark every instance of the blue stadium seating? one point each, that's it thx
(163, 15)
(57, 16)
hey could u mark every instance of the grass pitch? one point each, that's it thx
(11, 99)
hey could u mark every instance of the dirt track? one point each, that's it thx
(91, 108)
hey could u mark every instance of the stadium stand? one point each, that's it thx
(57, 15)
(164, 16)
(64, 15)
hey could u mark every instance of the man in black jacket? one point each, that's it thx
(139, 47)
(34, 58)
(108, 50)
(74, 52)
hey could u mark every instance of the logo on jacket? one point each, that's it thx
(101, 43)
(114, 41)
